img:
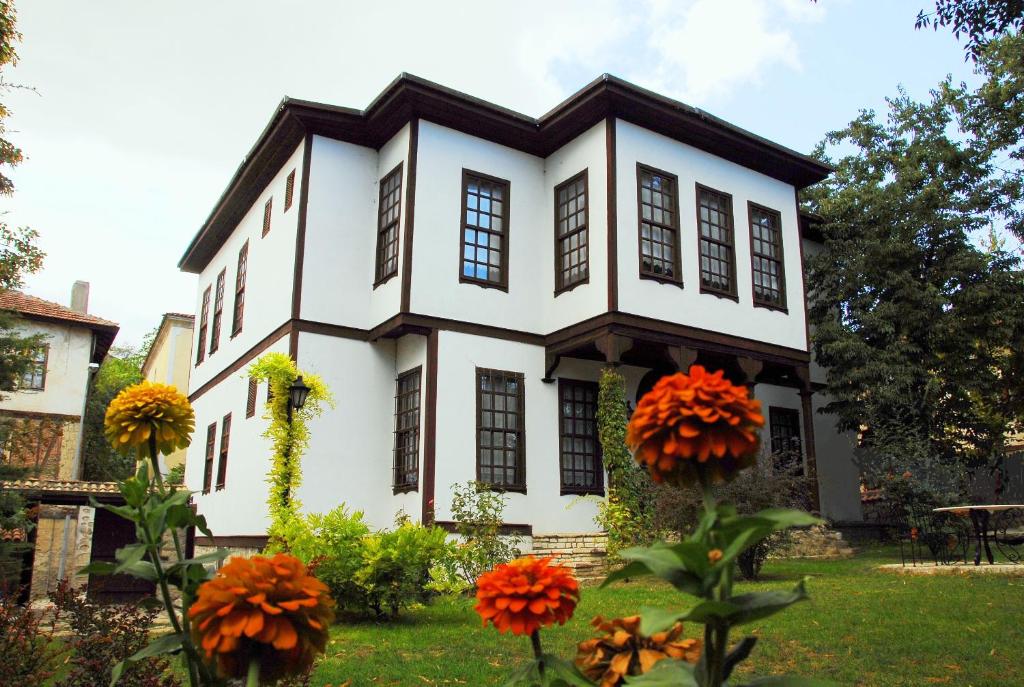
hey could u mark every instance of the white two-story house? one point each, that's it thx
(459, 274)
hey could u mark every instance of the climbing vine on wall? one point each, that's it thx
(289, 440)
(627, 513)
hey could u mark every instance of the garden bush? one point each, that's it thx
(105, 635)
(369, 573)
(27, 649)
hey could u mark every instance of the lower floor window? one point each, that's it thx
(500, 455)
(786, 446)
(580, 451)
(407, 430)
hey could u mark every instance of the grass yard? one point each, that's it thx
(861, 627)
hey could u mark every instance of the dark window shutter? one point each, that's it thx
(266, 215)
(289, 190)
(250, 399)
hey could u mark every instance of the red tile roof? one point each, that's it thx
(31, 305)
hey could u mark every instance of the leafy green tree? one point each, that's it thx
(979, 20)
(920, 329)
(121, 368)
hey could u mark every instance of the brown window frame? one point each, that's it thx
(381, 272)
(597, 467)
(779, 305)
(238, 312)
(519, 467)
(37, 369)
(250, 398)
(730, 293)
(218, 311)
(677, 262)
(560, 284)
(222, 457)
(211, 443)
(289, 191)
(505, 185)
(792, 422)
(406, 465)
(268, 210)
(204, 326)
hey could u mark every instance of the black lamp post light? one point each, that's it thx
(297, 394)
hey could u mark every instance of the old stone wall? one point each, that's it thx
(585, 554)
(63, 546)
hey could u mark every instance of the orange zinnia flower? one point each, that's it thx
(693, 425)
(624, 651)
(526, 594)
(267, 609)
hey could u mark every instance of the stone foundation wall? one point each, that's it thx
(815, 542)
(63, 546)
(585, 554)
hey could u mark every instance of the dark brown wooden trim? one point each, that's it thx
(560, 287)
(242, 360)
(325, 329)
(430, 431)
(413, 323)
(678, 262)
(810, 453)
(501, 285)
(237, 541)
(504, 528)
(612, 192)
(783, 305)
(803, 273)
(410, 210)
(732, 293)
(409, 97)
(31, 415)
(300, 234)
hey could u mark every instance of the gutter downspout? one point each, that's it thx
(76, 464)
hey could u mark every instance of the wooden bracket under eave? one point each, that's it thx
(750, 367)
(682, 357)
(803, 374)
(551, 361)
(612, 346)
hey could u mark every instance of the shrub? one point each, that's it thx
(27, 650)
(105, 635)
(477, 512)
(369, 574)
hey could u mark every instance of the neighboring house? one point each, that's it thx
(42, 420)
(459, 274)
(169, 361)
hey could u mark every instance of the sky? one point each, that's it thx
(142, 111)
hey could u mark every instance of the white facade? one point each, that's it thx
(361, 338)
(68, 353)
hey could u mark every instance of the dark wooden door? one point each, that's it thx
(111, 532)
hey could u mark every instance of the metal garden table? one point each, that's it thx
(980, 516)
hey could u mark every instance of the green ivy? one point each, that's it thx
(289, 440)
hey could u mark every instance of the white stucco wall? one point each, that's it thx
(268, 293)
(67, 371)
(688, 305)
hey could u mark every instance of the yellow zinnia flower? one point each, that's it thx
(145, 410)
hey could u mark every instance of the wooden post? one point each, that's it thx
(807, 416)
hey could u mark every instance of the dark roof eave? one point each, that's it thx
(409, 96)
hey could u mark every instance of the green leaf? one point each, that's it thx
(560, 672)
(788, 517)
(140, 569)
(666, 673)
(206, 558)
(124, 511)
(628, 571)
(663, 561)
(654, 620)
(98, 568)
(758, 605)
(790, 681)
(526, 676)
(168, 644)
(126, 555)
(739, 653)
(711, 611)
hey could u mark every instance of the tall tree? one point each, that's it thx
(920, 329)
(979, 20)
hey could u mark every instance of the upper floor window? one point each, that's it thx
(204, 321)
(500, 430)
(222, 463)
(267, 212)
(389, 214)
(766, 265)
(658, 198)
(34, 376)
(484, 230)
(243, 263)
(579, 449)
(571, 233)
(717, 254)
(289, 190)
(211, 441)
(218, 311)
(784, 424)
(407, 431)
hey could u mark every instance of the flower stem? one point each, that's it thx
(252, 679)
(537, 651)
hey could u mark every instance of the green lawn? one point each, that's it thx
(861, 627)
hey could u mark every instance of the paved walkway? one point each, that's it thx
(956, 569)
